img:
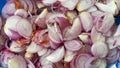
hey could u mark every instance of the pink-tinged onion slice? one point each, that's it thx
(57, 55)
(70, 4)
(69, 55)
(40, 20)
(74, 31)
(21, 12)
(17, 62)
(73, 45)
(85, 38)
(96, 36)
(24, 28)
(99, 49)
(33, 48)
(47, 66)
(30, 64)
(87, 21)
(8, 10)
(95, 63)
(42, 52)
(43, 59)
(30, 5)
(55, 33)
(15, 47)
(84, 4)
(49, 2)
(104, 22)
(113, 56)
(110, 4)
(80, 61)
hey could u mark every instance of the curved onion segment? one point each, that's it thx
(69, 55)
(49, 2)
(99, 49)
(24, 28)
(21, 12)
(74, 31)
(86, 20)
(57, 55)
(73, 45)
(33, 48)
(17, 62)
(110, 6)
(55, 33)
(96, 36)
(15, 47)
(10, 27)
(85, 4)
(70, 4)
(80, 61)
(104, 22)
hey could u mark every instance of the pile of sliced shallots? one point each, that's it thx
(59, 34)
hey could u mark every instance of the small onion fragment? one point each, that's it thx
(57, 55)
(73, 45)
(99, 49)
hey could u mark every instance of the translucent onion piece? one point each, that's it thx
(96, 36)
(70, 4)
(10, 27)
(85, 4)
(87, 21)
(8, 10)
(117, 3)
(99, 49)
(40, 20)
(24, 28)
(113, 42)
(104, 22)
(47, 66)
(80, 61)
(42, 52)
(110, 6)
(21, 12)
(57, 55)
(33, 48)
(85, 38)
(71, 16)
(48, 2)
(74, 31)
(55, 33)
(15, 47)
(69, 55)
(73, 45)
(30, 5)
(43, 59)
(17, 62)
(92, 9)
(113, 56)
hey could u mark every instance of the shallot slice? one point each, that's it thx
(21, 12)
(24, 28)
(96, 36)
(69, 55)
(84, 4)
(57, 55)
(70, 4)
(110, 6)
(17, 62)
(74, 31)
(73, 45)
(33, 48)
(87, 21)
(15, 47)
(40, 20)
(99, 49)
